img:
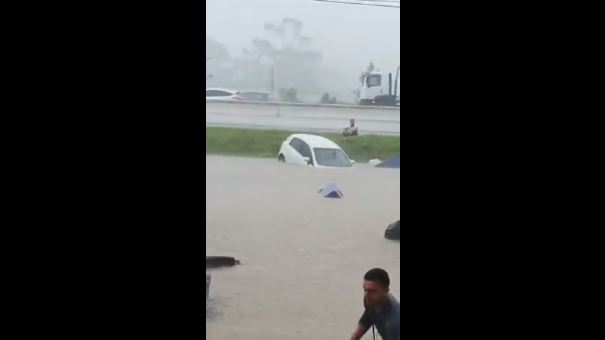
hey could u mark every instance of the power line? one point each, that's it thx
(388, 1)
(357, 3)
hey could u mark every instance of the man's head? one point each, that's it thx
(352, 121)
(376, 287)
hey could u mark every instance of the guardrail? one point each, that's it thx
(302, 116)
(274, 103)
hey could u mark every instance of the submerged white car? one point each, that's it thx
(311, 150)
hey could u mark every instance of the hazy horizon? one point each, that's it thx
(349, 37)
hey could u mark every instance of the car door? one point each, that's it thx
(305, 151)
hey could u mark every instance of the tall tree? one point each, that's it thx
(286, 51)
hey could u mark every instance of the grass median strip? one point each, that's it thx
(266, 143)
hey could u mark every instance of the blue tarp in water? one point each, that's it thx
(392, 162)
(393, 231)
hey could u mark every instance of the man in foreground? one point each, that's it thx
(381, 308)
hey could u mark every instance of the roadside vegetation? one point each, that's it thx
(266, 143)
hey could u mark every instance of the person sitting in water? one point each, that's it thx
(350, 130)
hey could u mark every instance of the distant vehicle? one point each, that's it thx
(233, 95)
(223, 94)
(257, 96)
(379, 89)
(315, 151)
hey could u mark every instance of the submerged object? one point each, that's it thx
(393, 231)
(392, 162)
(207, 286)
(215, 262)
(374, 161)
(220, 261)
(330, 191)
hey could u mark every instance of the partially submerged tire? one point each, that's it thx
(393, 231)
(281, 158)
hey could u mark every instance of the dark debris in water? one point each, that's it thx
(221, 261)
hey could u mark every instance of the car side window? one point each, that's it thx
(217, 93)
(296, 143)
(212, 93)
(302, 148)
(305, 150)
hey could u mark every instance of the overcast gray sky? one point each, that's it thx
(348, 36)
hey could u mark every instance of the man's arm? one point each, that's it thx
(365, 322)
(359, 332)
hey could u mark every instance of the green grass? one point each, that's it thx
(266, 143)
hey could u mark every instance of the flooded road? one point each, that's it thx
(302, 256)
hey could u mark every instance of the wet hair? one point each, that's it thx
(378, 275)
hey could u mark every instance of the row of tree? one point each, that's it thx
(283, 60)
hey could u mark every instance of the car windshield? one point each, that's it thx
(331, 157)
(374, 80)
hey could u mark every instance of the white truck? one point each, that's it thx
(378, 88)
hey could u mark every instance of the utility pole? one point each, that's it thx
(272, 84)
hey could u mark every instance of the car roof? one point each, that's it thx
(316, 141)
(220, 89)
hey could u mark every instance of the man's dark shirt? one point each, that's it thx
(386, 320)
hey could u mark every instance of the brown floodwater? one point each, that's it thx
(302, 256)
